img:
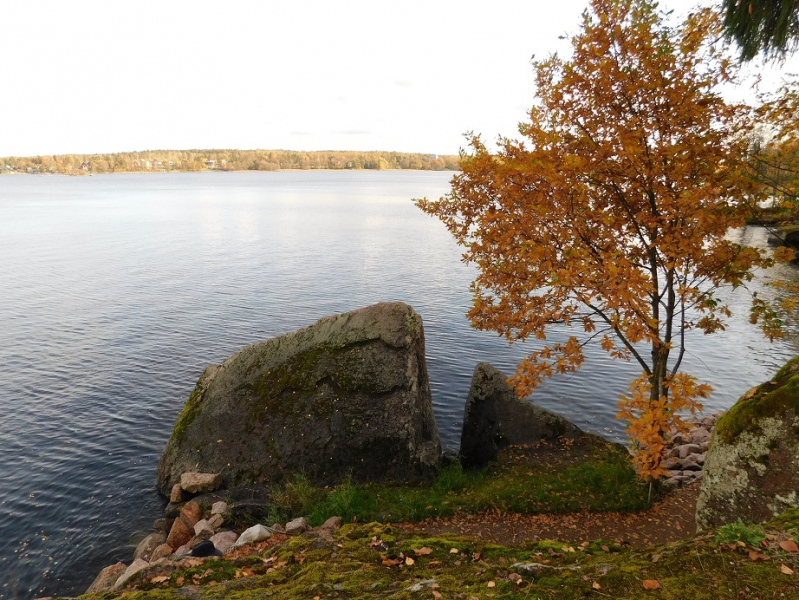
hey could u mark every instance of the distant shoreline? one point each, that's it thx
(194, 161)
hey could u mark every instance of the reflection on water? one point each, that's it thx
(116, 292)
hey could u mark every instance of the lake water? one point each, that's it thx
(116, 291)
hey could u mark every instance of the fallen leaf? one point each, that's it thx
(515, 578)
(655, 557)
(476, 556)
(596, 586)
(389, 562)
(491, 584)
(434, 563)
(160, 579)
(409, 561)
(652, 584)
(423, 551)
(180, 580)
(605, 548)
(786, 570)
(753, 555)
(789, 546)
(453, 550)
(437, 595)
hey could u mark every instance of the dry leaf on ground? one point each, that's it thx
(652, 584)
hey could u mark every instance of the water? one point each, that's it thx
(116, 291)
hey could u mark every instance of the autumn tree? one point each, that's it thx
(767, 26)
(609, 217)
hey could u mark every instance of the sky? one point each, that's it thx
(410, 76)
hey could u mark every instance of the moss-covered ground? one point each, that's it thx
(376, 560)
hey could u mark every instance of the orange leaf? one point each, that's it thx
(160, 579)
(652, 584)
(786, 570)
(596, 586)
(789, 546)
(423, 551)
(409, 561)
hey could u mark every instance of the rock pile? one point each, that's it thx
(207, 542)
(686, 452)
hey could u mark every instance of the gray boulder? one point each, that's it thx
(347, 395)
(496, 418)
(752, 467)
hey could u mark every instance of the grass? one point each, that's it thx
(602, 480)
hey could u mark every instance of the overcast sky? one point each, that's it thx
(99, 76)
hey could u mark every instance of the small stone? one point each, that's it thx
(277, 528)
(162, 551)
(163, 525)
(297, 526)
(176, 495)
(197, 483)
(332, 523)
(219, 508)
(699, 435)
(686, 464)
(136, 566)
(145, 548)
(689, 449)
(203, 529)
(106, 579)
(192, 513)
(697, 458)
(179, 534)
(216, 521)
(224, 540)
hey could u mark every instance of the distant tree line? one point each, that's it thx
(224, 160)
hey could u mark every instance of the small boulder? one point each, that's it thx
(219, 508)
(192, 513)
(176, 494)
(224, 540)
(256, 533)
(216, 521)
(180, 533)
(136, 566)
(277, 528)
(297, 526)
(145, 548)
(699, 435)
(203, 529)
(163, 525)
(332, 523)
(198, 483)
(162, 551)
(495, 417)
(106, 579)
(687, 449)
(752, 467)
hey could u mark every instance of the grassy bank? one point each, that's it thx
(590, 476)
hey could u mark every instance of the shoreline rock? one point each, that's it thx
(346, 396)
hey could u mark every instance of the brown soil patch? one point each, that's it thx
(668, 520)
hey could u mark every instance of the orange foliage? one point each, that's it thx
(610, 217)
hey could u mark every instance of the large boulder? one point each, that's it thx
(495, 418)
(347, 395)
(752, 466)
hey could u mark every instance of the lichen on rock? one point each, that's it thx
(752, 466)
